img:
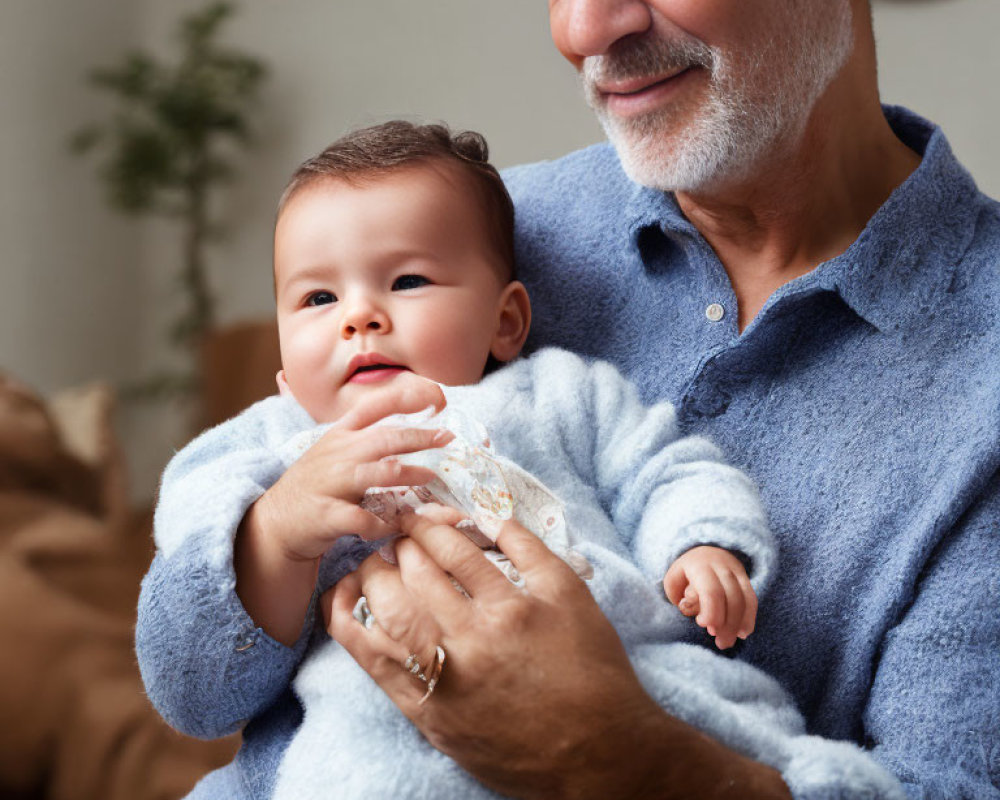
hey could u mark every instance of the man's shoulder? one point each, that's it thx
(578, 177)
(986, 231)
(976, 279)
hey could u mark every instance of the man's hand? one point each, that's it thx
(284, 534)
(537, 698)
(711, 585)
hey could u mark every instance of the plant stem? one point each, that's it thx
(195, 278)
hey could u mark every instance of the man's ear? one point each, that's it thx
(513, 322)
(283, 389)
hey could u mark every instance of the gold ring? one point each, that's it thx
(436, 668)
(412, 665)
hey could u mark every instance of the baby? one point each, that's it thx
(394, 269)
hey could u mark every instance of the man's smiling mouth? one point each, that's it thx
(638, 86)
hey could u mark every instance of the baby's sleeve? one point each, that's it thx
(206, 666)
(665, 492)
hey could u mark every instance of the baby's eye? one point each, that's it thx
(404, 282)
(321, 298)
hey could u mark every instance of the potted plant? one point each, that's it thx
(167, 147)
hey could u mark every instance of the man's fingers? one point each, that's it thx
(406, 394)
(453, 552)
(375, 651)
(431, 586)
(343, 627)
(398, 614)
(543, 571)
(440, 514)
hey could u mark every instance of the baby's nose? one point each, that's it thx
(364, 317)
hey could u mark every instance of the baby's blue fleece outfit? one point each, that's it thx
(637, 495)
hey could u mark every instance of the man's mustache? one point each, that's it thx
(644, 57)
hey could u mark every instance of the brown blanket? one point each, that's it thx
(76, 724)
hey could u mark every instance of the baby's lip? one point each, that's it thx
(367, 362)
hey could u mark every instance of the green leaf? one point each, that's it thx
(85, 139)
(163, 147)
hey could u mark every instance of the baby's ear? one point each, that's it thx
(513, 322)
(283, 389)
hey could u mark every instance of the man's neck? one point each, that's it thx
(803, 207)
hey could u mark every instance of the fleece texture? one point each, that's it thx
(864, 399)
(637, 495)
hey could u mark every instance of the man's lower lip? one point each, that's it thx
(375, 375)
(626, 105)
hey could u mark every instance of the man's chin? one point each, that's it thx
(655, 165)
(651, 151)
(696, 155)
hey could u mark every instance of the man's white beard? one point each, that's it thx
(750, 111)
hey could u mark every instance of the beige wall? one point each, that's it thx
(941, 58)
(335, 65)
(69, 274)
(85, 294)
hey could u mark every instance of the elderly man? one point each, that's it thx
(812, 279)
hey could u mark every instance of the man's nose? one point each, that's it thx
(363, 316)
(582, 28)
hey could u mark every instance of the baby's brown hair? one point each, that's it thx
(380, 150)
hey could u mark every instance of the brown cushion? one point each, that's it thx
(33, 456)
(76, 722)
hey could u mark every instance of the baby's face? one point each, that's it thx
(390, 276)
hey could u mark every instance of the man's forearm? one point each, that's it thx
(645, 754)
(662, 758)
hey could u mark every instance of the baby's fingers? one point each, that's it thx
(675, 582)
(385, 441)
(348, 519)
(712, 600)
(749, 620)
(735, 604)
(406, 394)
(385, 473)
(689, 605)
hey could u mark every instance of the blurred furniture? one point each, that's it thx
(76, 724)
(238, 365)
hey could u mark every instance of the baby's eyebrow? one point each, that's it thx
(316, 274)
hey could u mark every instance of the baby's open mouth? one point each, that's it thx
(374, 372)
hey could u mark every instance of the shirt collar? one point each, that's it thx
(904, 256)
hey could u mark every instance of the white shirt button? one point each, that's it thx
(715, 312)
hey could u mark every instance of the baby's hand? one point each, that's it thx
(316, 500)
(711, 585)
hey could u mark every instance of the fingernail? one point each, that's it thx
(442, 436)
